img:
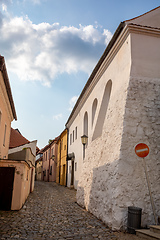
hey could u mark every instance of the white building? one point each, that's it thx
(118, 108)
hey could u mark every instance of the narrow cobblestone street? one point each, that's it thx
(51, 212)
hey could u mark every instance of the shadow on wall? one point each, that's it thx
(112, 189)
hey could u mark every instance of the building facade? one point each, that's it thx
(22, 159)
(39, 166)
(62, 159)
(7, 110)
(50, 161)
(17, 154)
(118, 108)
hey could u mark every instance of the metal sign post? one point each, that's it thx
(142, 150)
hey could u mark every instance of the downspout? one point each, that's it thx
(67, 157)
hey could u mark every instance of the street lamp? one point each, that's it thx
(84, 140)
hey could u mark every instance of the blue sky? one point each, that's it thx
(50, 48)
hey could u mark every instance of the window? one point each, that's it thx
(94, 107)
(62, 144)
(4, 135)
(76, 133)
(75, 166)
(52, 152)
(73, 135)
(70, 138)
(46, 156)
(103, 110)
(85, 124)
(51, 170)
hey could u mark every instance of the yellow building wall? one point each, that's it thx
(61, 159)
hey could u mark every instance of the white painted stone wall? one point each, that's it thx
(112, 177)
(98, 182)
(122, 64)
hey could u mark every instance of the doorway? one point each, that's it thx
(72, 174)
(6, 187)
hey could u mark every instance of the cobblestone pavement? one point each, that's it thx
(51, 212)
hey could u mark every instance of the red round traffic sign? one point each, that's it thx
(141, 150)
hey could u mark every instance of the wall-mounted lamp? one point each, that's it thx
(84, 140)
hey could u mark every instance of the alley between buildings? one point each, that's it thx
(51, 212)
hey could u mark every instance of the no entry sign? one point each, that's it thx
(141, 150)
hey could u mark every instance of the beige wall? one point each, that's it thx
(24, 175)
(39, 170)
(22, 182)
(5, 119)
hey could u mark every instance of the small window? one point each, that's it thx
(73, 135)
(75, 166)
(76, 133)
(46, 156)
(49, 154)
(62, 144)
(94, 107)
(64, 147)
(4, 135)
(51, 170)
(70, 138)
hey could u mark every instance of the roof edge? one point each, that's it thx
(107, 50)
(7, 85)
(126, 21)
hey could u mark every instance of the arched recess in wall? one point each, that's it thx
(102, 111)
(94, 108)
(85, 124)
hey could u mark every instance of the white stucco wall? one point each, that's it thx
(98, 183)
(141, 124)
(122, 64)
(112, 177)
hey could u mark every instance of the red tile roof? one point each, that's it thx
(16, 139)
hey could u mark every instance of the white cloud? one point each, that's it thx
(33, 1)
(57, 117)
(36, 1)
(72, 102)
(41, 52)
(4, 7)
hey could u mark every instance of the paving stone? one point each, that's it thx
(51, 212)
